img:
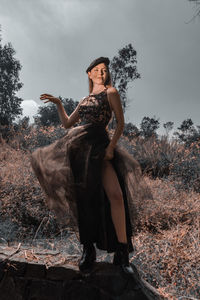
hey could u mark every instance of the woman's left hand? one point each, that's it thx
(109, 153)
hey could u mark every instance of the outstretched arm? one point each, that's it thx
(66, 120)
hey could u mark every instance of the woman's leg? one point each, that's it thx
(115, 196)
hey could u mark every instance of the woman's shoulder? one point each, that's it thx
(112, 93)
(111, 90)
(113, 97)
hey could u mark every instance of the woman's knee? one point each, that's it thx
(115, 197)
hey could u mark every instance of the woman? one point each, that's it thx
(87, 173)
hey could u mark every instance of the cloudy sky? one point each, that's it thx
(55, 41)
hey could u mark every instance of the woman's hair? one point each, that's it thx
(108, 80)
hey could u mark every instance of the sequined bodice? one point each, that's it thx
(95, 109)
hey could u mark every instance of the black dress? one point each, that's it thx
(69, 171)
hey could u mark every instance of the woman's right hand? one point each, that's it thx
(50, 98)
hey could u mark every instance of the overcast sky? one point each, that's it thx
(55, 41)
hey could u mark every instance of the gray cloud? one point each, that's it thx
(56, 40)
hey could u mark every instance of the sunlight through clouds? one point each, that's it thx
(30, 108)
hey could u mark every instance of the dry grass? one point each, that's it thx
(22, 200)
(169, 255)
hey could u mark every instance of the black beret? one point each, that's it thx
(98, 61)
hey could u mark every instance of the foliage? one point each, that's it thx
(154, 155)
(187, 133)
(168, 126)
(9, 84)
(149, 126)
(22, 124)
(32, 137)
(10, 132)
(123, 70)
(48, 115)
(131, 131)
(164, 158)
(185, 169)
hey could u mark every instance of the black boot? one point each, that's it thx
(88, 257)
(121, 258)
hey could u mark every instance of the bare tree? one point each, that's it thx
(197, 10)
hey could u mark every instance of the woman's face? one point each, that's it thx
(99, 74)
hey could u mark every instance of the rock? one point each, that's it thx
(25, 276)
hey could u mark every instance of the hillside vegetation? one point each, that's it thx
(167, 251)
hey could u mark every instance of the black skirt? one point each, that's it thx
(70, 173)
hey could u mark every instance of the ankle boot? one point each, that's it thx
(88, 257)
(121, 258)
